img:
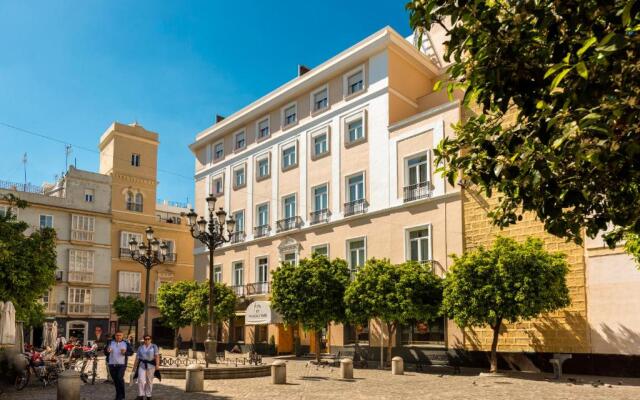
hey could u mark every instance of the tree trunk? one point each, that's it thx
(494, 346)
(391, 329)
(193, 337)
(318, 339)
(175, 338)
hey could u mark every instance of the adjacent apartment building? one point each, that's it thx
(338, 161)
(78, 207)
(128, 155)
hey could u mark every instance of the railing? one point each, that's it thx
(134, 207)
(80, 276)
(171, 258)
(21, 187)
(173, 203)
(355, 207)
(129, 294)
(238, 290)
(417, 191)
(125, 253)
(84, 236)
(261, 231)
(288, 223)
(169, 219)
(319, 216)
(80, 308)
(258, 288)
(237, 237)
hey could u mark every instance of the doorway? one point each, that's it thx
(163, 336)
(78, 330)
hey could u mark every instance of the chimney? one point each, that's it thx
(302, 69)
(219, 118)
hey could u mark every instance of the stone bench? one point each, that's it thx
(557, 361)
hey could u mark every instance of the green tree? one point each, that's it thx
(508, 282)
(632, 246)
(394, 294)
(27, 263)
(196, 304)
(172, 305)
(557, 83)
(310, 293)
(128, 308)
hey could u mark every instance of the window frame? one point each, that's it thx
(326, 131)
(347, 193)
(263, 157)
(312, 101)
(407, 243)
(345, 82)
(261, 138)
(132, 273)
(408, 158)
(283, 199)
(267, 204)
(313, 196)
(235, 170)
(361, 115)
(285, 125)
(89, 193)
(214, 178)
(235, 140)
(257, 264)
(348, 250)
(214, 155)
(244, 220)
(135, 159)
(46, 216)
(217, 269)
(287, 146)
(313, 249)
(233, 273)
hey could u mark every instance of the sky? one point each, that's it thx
(68, 69)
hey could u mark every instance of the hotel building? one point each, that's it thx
(338, 161)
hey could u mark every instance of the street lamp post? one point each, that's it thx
(212, 234)
(149, 255)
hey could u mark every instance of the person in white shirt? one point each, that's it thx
(118, 352)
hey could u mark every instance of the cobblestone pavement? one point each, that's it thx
(309, 382)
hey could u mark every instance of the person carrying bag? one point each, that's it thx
(146, 368)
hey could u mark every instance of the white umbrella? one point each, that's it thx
(8, 324)
(47, 333)
(1, 317)
(54, 334)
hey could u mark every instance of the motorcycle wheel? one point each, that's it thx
(22, 379)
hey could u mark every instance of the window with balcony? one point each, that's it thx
(320, 211)
(239, 178)
(355, 82)
(417, 178)
(218, 151)
(240, 140)
(289, 206)
(320, 99)
(322, 249)
(135, 160)
(419, 244)
(238, 278)
(356, 203)
(263, 129)
(125, 238)
(263, 168)
(289, 210)
(238, 234)
(171, 256)
(129, 283)
(46, 221)
(320, 144)
(89, 194)
(79, 300)
(262, 227)
(81, 266)
(82, 227)
(262, 269)
(289, 159)
(356, 253)
(289, 115)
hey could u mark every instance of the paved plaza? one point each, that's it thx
(309, 382)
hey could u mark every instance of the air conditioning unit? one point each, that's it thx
(59, 275)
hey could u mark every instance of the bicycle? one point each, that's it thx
(46, 370)
(88, 375)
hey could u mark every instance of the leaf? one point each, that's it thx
(558, 78)
(586, 45)
(582, 70)
(626, 13)
(437, 86)
(554, 69)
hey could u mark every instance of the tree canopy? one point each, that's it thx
(508, 282)
(27, 263)
(557, 83)
(196, 303)
(128, 308)
(310, 293)
(172, 304)
(632, 246)
(395, 294)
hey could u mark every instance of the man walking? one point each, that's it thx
(118, 352)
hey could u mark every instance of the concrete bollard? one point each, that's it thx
(194, 381)
(397, 366)
(69, 385)
(346, 368)
(279, 372)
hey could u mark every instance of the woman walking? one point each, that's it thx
(147, 363)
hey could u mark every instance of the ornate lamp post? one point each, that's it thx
(149, 255)
(212, 234)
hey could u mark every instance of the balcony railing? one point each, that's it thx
(288, 224)
(355, 207)
(169, 219)
(129, 294)
(417, 191)
(261, 231)
(319, 216)
(21, 187)
(238, 290)
(125, 253)
(258, 288)
(84, 236)
(137, 207)
(237, 237)
(80, 276)
(171, 258)
(81, 308)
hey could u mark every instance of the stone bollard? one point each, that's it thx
(279, 372)
(194, 381)
(69, 385)
(397, 366)
(346, 368)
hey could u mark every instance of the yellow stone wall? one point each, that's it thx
(566, 330)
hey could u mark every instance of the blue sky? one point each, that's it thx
(70, 68)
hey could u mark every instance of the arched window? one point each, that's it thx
(129, 200)
(139, 202)
(134, 202)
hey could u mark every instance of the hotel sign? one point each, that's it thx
(260, 313)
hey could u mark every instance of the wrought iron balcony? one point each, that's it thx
(288, 224)
(238, 290)
(237, 237)
(258, 288)
(125, 253)
(261, 231)
(355, 207)
(417, 191)
(171, 258)
(319, 216)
